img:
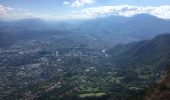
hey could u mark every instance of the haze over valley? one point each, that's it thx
(118, 55)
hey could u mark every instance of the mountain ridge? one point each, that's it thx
(148, 52)
(111, 29)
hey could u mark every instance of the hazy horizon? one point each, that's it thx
(84, 49)
(54, 10)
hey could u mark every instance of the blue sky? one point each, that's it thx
(67, 9)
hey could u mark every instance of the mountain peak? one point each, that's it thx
(27, 20)
(163, 36)
(145, 16)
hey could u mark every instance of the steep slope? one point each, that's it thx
(161, 91)
(158, 91)
(154, 52)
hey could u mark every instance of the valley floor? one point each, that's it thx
(46, 69)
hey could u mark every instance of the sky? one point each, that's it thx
(81, 9)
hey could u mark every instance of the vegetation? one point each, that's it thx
(50, 64)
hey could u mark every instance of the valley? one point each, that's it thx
(51, 68)
(116, 60)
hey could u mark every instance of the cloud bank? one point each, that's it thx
(78, 3)
(126, 10)
(88, 13)
(4, 10)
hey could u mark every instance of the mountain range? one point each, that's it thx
(112, 29)
(138, 27)
(111, 57)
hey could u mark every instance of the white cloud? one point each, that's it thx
(66, 3)
(7, 13)
(4, 10)
(162, 12)
(126, 10)
(78, 3)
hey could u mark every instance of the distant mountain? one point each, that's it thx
(154, 52)
(138, 27)
(105, 31)
(12, 31)
(24, 24)
(30, 22)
